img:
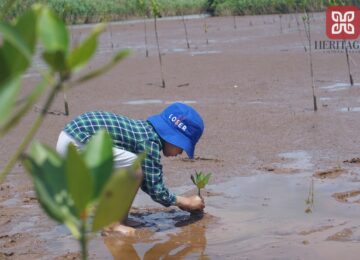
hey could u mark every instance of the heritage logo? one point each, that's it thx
(342, 22)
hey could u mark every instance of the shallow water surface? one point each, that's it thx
(260, 217)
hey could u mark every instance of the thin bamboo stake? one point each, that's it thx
(186, 33)
(348, 65)
(160, 60)
(307, 27)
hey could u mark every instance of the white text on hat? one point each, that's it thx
(177, 122)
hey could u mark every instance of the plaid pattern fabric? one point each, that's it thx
(136, 136)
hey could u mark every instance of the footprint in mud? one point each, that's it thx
(348, 196)
(183, 236)
(329, 174)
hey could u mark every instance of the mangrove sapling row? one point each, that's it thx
(307, 27)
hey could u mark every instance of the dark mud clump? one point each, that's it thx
(343, 235)
(279, 170)
(329, 174)
(345, 196)
(353, 160)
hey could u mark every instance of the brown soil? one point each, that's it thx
(252, 86)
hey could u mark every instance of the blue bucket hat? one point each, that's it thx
(180, 125)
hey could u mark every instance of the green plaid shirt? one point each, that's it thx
(136, 136)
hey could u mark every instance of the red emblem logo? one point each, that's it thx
(342, 22)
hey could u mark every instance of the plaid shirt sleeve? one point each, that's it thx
(153, 183)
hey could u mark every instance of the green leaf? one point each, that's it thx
(27, 28)
(29, 101)
(56, 60)
(47, 170)
(99, 158)
(52, 32)
(82, 53)
(117, 196)
(48, 173)
(12, 36)
(19, 45)
(206, 178)
(79, 181)
(8, 94)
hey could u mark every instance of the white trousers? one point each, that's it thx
(122, 158)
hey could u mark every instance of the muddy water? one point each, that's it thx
(262, 216)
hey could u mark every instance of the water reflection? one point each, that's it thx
(185, 237)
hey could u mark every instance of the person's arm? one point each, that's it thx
(153, 183)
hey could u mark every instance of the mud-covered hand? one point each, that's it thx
(191, 203)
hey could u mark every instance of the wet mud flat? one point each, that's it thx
(285, 180)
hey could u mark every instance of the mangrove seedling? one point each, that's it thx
(206, 30)
(307, 27)
(200, 179)
(310, 199)
(185, 29)
(156, 13)
(143, 9)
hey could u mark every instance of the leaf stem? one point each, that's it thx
(83, 240)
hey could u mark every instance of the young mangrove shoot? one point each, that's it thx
(200, 180)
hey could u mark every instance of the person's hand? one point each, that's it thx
(192, 203)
